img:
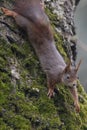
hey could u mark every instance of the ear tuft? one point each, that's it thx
(78, 65)
(67, 68)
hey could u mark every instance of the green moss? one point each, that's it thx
(29, 108)
(59, 44)
(3, 125)
(53, 17)
(16, 121)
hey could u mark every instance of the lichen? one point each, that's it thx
(28, 107)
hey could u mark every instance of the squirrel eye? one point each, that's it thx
(68, 77)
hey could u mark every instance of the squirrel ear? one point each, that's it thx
(67, 68)
(78, 65)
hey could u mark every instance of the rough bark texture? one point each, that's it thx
(24, 104)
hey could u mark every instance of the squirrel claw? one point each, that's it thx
(5, 11)
(50, 93)
(77, 107)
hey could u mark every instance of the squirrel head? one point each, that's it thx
(69, 75)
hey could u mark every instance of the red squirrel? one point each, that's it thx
(30, 15)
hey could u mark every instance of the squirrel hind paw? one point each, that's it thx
(8, 12)
(4, 10)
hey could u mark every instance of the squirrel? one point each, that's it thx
(30, 15)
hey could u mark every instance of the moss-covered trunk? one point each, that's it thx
(24, 104)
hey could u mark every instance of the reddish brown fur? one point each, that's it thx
(30, 15)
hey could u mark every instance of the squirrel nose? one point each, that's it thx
(74, 85)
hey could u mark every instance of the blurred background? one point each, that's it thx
(81, 29)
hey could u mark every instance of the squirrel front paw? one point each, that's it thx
(77, 107)
(50, 93)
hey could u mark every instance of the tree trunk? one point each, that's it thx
(24, 104)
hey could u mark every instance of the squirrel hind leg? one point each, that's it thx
(8, 12)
